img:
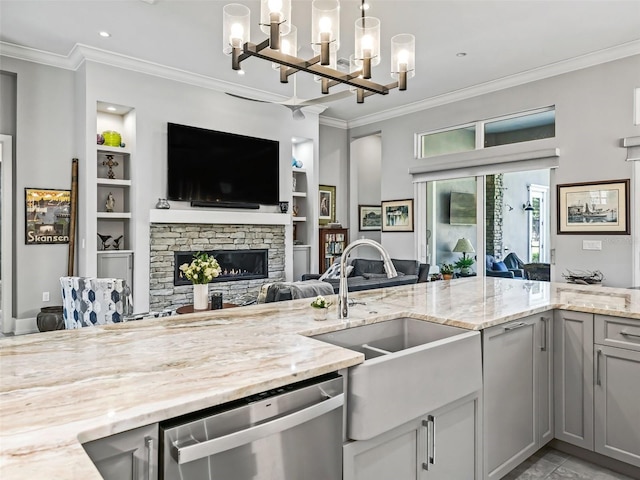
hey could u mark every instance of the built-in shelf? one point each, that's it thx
(299, 219)
(112, 252)
(218, 217)
(113, 215)
(299, 194)
(115, 183)
(117, 150)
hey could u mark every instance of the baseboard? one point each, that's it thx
(597, 458)
(24, 326)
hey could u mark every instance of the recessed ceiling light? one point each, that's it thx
(364, 6)
(112, 109)
(105, 34)
(240, 72)
(461, 54)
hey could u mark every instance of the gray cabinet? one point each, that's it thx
(116, 264)
(518, 392)
(442, 445)
(617, 389)
(573, 374)
(131, 455)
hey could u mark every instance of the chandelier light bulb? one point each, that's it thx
(325, 25)
(275, 6)
(237, 31)
(367, 42)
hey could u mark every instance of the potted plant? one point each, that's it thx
(320, 307)
(202, 270)
(464, 264)
(447, 271)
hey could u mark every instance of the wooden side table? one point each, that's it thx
(189, 308)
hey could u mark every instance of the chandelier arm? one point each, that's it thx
(313, 68)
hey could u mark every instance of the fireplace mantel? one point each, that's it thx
(218, 217)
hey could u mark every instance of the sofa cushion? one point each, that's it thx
(364, 265)
(369, 276)
(408, 267)
(334, 271)
(499, 267)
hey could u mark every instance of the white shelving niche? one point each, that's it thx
(116, 225)
(302, 206)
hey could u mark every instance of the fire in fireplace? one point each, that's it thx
(235, 265)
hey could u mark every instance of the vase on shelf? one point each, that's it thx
(201, 296)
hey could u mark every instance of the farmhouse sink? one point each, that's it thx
(411, 367)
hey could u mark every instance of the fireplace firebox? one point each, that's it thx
(235, 264)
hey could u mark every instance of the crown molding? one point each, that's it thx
(334, 122)
(566, 66)
(81, 53)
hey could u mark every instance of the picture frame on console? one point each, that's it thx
(326, 204)
(397, 215)
(595, 208)
(370, 217)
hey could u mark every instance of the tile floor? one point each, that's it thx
(551, 464)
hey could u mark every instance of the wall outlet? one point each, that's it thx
(45, 296)
(592, 244)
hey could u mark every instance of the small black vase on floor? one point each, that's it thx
(50, 318)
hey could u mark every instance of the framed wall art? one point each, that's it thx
(370, 217)
(326, 204)
(397, 216)
(594, 208)
(47, 216)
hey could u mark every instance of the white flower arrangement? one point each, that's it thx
(320, 302)
(202, 269)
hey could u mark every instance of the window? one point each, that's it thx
(516, 128)
(459, 139)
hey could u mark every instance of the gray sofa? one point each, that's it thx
(368, 274)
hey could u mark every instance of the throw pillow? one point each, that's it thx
(500, 267)
(333, 272)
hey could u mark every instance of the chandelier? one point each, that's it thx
(280, 47)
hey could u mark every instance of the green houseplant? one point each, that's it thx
(464, 264)
(447, 271)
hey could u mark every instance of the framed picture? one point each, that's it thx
(397, 216)
(47, 216)
(594, 208)
(326, 204)
(370, 217)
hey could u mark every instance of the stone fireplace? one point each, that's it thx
(253, 247)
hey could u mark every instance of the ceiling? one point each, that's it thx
(506, 41)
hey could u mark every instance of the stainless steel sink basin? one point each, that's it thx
(388, 337)
(411, 367)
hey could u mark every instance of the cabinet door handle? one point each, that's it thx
(148, 443)
(628, 334)
(598, 355)
(432, 458)
(430, 426)
(513, 326)
(543, 347)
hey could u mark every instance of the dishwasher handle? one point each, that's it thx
(221, 444)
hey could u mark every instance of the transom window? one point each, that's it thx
(519, 127)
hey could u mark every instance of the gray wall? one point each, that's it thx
(594, 110)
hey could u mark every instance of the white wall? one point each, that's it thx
(594, 110)
(333, 169)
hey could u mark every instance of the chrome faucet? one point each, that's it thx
(343, 300)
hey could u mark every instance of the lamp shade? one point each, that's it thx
(367, 40)
(278, 11)
(463, 246)
(403, 55)
(325, 24)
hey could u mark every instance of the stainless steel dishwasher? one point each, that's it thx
(290, 433)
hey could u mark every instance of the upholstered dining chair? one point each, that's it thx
(89, 301)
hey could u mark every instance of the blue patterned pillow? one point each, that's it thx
(500, 267)
(333, 272)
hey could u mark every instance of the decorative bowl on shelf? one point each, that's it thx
(112, 138)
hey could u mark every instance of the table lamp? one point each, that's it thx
(463, 246)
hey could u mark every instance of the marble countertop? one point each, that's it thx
(60, 389)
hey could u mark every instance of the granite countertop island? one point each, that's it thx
(60, 389)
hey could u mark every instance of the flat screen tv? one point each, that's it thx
(210, 168)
